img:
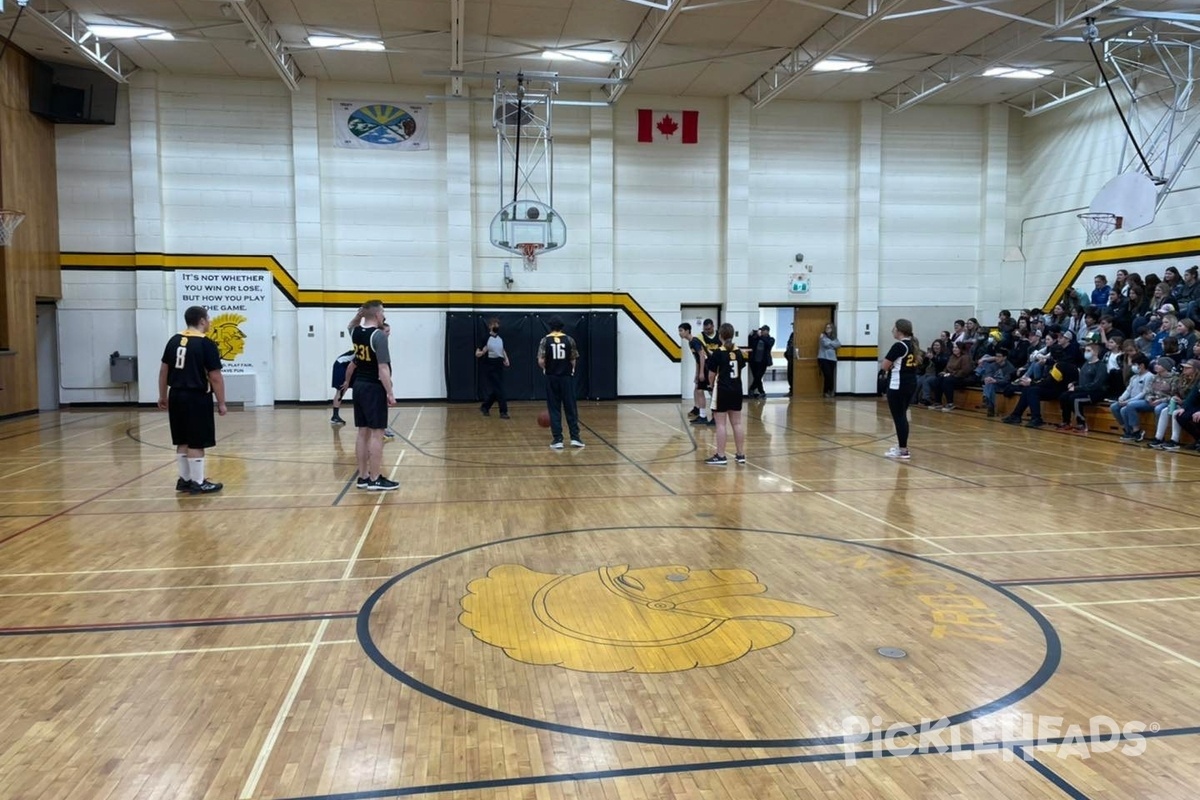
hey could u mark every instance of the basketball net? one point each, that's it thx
(9, 220)
(530, 250)
(1098, 225)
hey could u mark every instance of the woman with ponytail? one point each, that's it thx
(725, 367)
(901, 362)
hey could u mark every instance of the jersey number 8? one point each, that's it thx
(180, 356)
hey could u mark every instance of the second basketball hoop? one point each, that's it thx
(528, 228)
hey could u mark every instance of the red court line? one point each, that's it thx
(84, 503)
(306, 616)
(1128, 576)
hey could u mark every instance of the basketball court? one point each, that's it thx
(618, 621)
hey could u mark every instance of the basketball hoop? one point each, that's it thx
(530, 250)
(1098, 225)
(9, 220)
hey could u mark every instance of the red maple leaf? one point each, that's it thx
(666, 126)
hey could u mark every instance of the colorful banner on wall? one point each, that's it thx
(668, 127)
(380, 125)
(239, 313)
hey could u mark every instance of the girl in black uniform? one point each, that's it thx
(901, 362)
(724, 370)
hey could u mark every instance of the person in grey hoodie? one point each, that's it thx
(1093, 380)
(827, 348)
(1131, 401)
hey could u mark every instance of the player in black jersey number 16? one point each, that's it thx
(188, 379)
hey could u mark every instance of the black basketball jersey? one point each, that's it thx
(557, 350)
(728, 366)
(370, 350)
(711, 343)
(698, 350)
(904, 363)
(189, 357)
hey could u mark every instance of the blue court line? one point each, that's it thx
(712, 766)
(1049, 774)
(114, 627)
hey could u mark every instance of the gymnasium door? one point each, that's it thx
(807, 324)
(47, 356)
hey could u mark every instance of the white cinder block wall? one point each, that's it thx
(890, 210)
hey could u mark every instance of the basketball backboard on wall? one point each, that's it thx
(1131, 196)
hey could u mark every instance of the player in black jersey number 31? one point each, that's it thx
(191, 371)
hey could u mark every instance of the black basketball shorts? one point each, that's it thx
(190, 412)
(370, 405)
(727, 400)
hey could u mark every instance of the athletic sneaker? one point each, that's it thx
(485, 412)
(382, 484)
(337, 421)
(1139, 436)
(577, 443)
(896, 452)
(695, 412)
(504, 416)
(700, 421)
(1170, 445)
(183, 485)
(556, 444)
(1035, 423)
(1081, 428)
(1064, 426)
(716, 461)
(1011, 420)
(1154, 443)
(711, 421)
(1129, 437)
(935, 406)
(948, 407)
(362, 483)
(388, 433)
(205, 487)
(740, 458)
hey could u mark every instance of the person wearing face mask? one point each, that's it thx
(1132, 400)
(1163, 386)
(494, 360)
(1093, 380)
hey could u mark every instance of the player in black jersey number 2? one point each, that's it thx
(191, 371)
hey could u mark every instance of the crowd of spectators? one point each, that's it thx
(1131, 344)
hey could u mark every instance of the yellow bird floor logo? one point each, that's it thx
(614, 619)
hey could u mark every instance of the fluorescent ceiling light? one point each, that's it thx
(346, 43)
(595, 56)
(130, 32)
(841, 65)
(365, 45)
(1029, 73)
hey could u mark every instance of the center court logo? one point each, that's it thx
(614, 619)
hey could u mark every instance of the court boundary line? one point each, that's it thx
(726, 764)
(1115, 578)
(1046, 772)
(1137, 637)
(172, 624)
(173, 653)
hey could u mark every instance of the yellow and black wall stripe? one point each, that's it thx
(1184, 247)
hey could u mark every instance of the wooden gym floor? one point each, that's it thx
(617, 622)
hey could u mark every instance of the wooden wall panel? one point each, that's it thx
(29, 267)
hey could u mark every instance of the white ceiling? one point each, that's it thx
(713, 48)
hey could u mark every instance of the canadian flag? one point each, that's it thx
(680, 127)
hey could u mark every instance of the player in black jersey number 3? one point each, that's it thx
(191, 371)
(725, 367)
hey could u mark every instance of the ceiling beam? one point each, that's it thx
(457, 21)
(70, 27)
(268, 40)
(650, 32)
(1000, 48)
(1057, 92)
(846, 25)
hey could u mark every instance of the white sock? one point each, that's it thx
(197, 469)
(184, 471)
(703, 413)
